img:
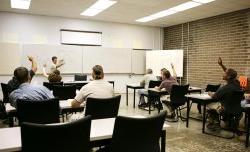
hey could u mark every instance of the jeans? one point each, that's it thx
(141, 93)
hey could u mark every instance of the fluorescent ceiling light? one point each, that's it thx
(156, 16)
(98, 7)
(20, 4)
(203, 1)
(185, 6)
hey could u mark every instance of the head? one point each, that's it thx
(163, 69)
(230, 75)
(149, 71)
(54, 59)
(165, 74)
(22, 75)
(97, 72)
(57, 72)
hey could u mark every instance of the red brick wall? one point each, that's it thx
(203, 41)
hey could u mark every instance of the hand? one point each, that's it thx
(30, 58)
(172, 65)
(44, 65)
(210, 94)
(219, 61)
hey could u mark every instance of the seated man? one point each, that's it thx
(98, 88)
(13, 84)
(145, 82)
(166, 85)
(232, 84)
(26, 90)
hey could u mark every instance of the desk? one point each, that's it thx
(202, 99)
(79, 84)
(101, 129)
(65, 107)
(194, 89)
(134, 87)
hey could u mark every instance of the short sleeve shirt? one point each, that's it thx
(168, 83)
(95, 89)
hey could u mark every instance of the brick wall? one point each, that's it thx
(203, 41)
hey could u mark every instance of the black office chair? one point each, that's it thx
(64, 92)
(137, 134)
(80, 77)
(50, 85)
(152, 84)
(73, 136)
(209, 88)
(42, 112)
(6, 92)
(3, 113)
(103, 108)
(177, 100)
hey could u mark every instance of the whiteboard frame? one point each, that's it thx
(83, 32)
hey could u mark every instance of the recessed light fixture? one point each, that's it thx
(20, 4)
(98, 7)
(203, 1)
(185, 6)
(173, 10)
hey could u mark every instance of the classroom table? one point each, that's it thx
(134, 87)
(101, 129)
(65, 107)
(79, 84)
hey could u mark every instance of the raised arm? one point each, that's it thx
(174, 72)
(44, 71)
(221, 64)
(60, 63)
(33, 64)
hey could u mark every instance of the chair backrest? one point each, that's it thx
(42, 111)
(153, 83)
(80, 77)
(212, 88)
(64, 92)
(73, 136)
(232, 102)
(6, 92)
(103, 107)
(50, 85)
(137, 134)
(177, 95)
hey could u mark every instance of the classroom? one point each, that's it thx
(124, 75)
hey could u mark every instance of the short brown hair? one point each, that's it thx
(21, 74)
(231, 74)
(53, 58)
(97, 72)
(166, 73)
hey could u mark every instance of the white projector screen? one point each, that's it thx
(73, 37)
(158, 59)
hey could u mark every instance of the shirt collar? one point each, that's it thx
(24, 84)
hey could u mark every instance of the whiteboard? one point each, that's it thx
(159, 59)
(138, 61)
(81, 38)
(113, 60)
(10, 57)
(42, 53)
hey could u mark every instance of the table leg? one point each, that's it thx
(134, 98)
(127, 95)
(163, 141)
(248, 127)
(188, 109)
(11, 121)
(204, 118)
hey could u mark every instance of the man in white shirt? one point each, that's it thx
(145, 82)
(55, 64)
(98, 88)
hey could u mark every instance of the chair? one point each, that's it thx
(80, 77)
(178, 99)
(6, 92)
(137, 134)
(42, 111)
(64, 92)
(209, 88)
(103, 107)
(73, 136)
(50, 85)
